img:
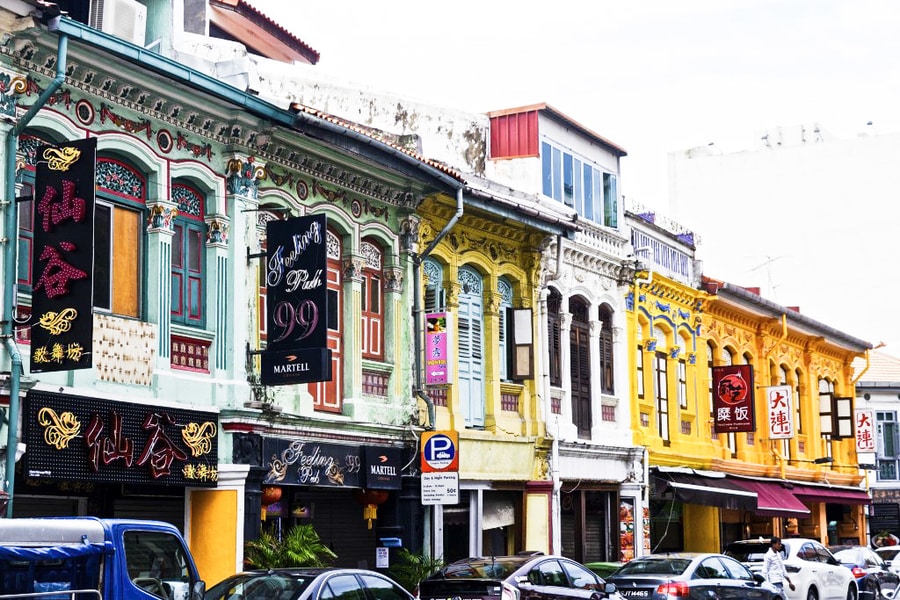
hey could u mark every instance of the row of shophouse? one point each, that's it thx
(585, 340)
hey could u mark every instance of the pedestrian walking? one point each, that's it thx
(773, 565)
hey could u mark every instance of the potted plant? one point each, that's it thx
(412, 568)
(300, 546)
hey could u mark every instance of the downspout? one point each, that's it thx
(9, 247)
(417, 305)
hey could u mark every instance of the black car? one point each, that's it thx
(307, 583)
(528, 577)
(690, 575)
(873, 577)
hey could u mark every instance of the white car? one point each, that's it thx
(889, 555)
(814, 571)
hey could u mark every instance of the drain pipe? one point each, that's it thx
(9, 248)
(417, 306)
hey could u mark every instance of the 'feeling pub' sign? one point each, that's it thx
(297, 302)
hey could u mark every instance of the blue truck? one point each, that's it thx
(88, 558)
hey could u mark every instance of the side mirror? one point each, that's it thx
(199, 590)
(758, 578)
(609, 589)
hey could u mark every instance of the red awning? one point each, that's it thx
(831, 494)
(773, 499)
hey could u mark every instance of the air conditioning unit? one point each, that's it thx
(126, 19)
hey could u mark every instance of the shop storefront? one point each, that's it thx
(108, 458)
(351, 494)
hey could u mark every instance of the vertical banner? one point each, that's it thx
(779, 410)
(62, 260)
(733, 398)
(437, 344)
(297, 302)
(864, 420)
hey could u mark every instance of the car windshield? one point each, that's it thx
(888, 554)
(481, 569)
(747, 552)
(655, 566)
(260, 585)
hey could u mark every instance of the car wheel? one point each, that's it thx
(852, 593)
(811, 594)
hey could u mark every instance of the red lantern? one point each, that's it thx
(370, 499)
(270, 494)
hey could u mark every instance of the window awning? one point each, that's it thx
(831, 494)
(773, 499)
(708, 491)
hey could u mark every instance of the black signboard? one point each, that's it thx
(297, 302)
(301, 462)
(62, 260)
(78, 438)
(295, 366)
(382, 468)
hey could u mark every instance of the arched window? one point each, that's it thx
(119, 237)
(661, 387)
(504, 357)
(372, 301)
(580, 366)
(554, 329)
(471, 347)
(188, 257)
(607, 374)
(435, 298)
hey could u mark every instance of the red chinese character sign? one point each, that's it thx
(733, 398)
(78, 438)
(779, 411)
(62, 257)
(864, 418)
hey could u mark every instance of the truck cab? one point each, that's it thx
(108, 558)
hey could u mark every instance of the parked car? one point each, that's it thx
(889, 555)
(307, 583)
(690, 575)
(814, 571)
(874, 579)
(531, 577)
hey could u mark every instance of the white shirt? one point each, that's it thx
(773, 567)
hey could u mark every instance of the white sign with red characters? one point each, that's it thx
(780, 412)
(865, 430)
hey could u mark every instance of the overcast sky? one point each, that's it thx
(653, 76)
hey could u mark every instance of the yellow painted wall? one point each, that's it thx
(214, 533)
(537, 523)
(701, 528)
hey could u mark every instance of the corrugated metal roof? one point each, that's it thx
(562, 117)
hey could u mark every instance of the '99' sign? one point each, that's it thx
(296, 285)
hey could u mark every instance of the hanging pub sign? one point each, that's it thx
(732, 388)
(297, 302)
(62, 257)
(79, 438)
(780, 412)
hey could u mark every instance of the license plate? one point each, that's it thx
(635, 593)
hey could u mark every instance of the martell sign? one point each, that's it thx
(297, 302)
